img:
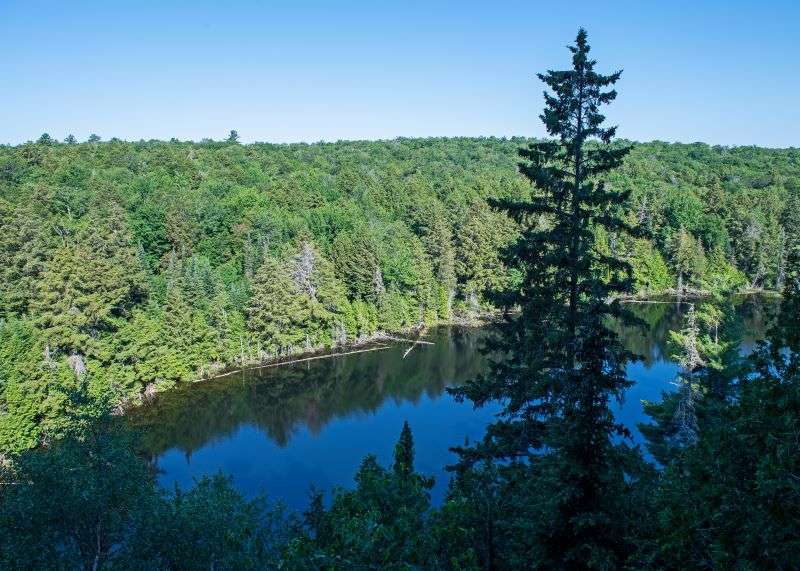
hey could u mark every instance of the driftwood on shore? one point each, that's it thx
(404, 340)
(413, 342)
(648, 301)
(293, 361)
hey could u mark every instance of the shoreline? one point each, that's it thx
(372, 342)
(673, 296)
(383, 340)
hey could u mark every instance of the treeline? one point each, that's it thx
(129, 267)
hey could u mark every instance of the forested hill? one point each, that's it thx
(129, 267)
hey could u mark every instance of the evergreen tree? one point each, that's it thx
(328, 318)
(477, 263)
(69, 506)
(404, 452)
(381, 524)
(562, 363)
(789, 267)
(36, 388)
(687, 256)
(277, 310)
(739, 510)
(194, 341)
(650, 271)
(356, 262)
(89, 283)
(430, 222)
(25, 246)
(685, 416)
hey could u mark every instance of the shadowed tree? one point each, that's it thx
(561, 363)
(404, 452)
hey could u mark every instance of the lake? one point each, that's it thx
(283, 430)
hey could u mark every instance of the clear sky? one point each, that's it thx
(723, 72)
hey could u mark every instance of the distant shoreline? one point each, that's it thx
(383, 340)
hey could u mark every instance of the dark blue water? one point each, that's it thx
(281, 431)
(329, 456)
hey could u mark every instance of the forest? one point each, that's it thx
(130, 267)
(127, 268)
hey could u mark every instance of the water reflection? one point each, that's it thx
(282, 430)
(281, 400)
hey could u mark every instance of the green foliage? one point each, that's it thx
(137, 261)
(207, 526)
(650, 270)
(739, 510)
(688, 258)
(35, 398)
(354, 257)
(88, 501)
(89, 283)
(480, 239)
(126, 268)
(277, 309)
(69, 506)
(561, 364)
(24, 243)
(379, 524)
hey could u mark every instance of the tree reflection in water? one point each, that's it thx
(356, 394)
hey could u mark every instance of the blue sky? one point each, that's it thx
(723, 72)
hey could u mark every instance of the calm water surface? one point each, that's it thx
(281, 431)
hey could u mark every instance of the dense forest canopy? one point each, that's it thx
(128, 267)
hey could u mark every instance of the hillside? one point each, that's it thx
(130, 267)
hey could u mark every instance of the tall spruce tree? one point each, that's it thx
(561, 364)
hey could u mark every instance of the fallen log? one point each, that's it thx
(293, 361)
(404, 340)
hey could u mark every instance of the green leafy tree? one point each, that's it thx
(430, 222)
(70, 507)
(355, 260)
(739, 510)
(479, 240)
(89, 501)
(790, 247)
(209, 526)
(35, 398)
(650, 270)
